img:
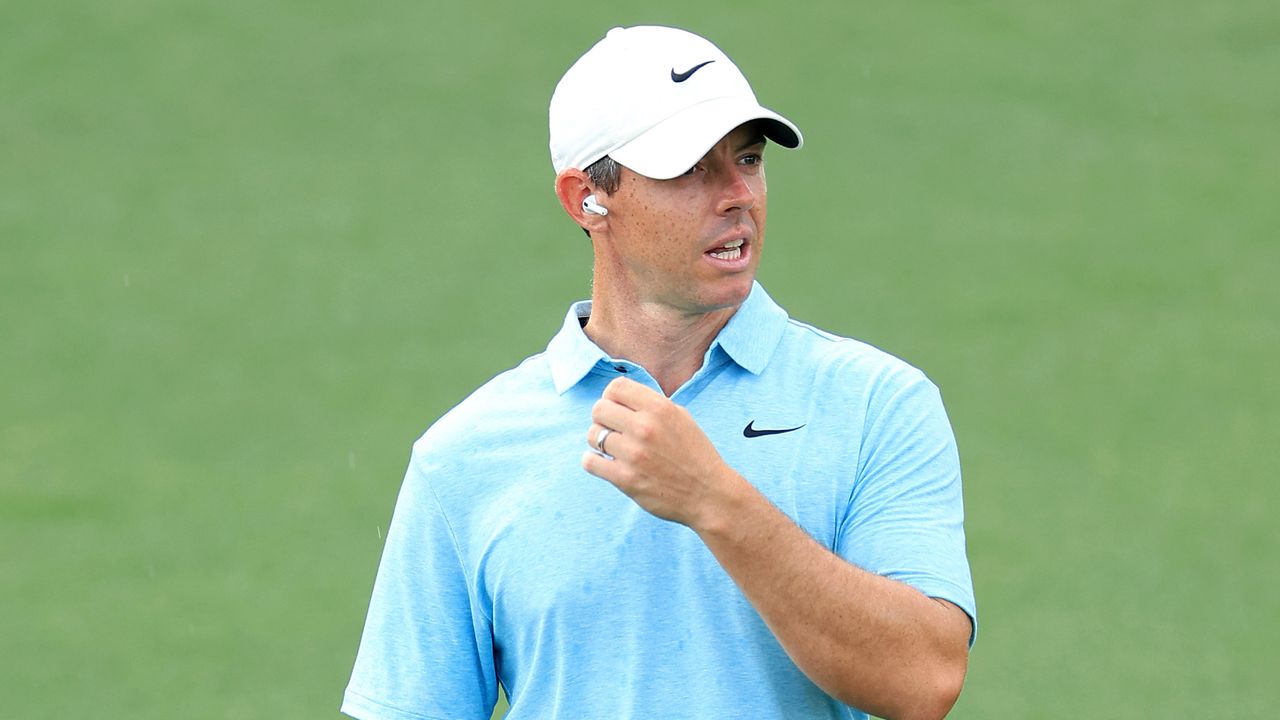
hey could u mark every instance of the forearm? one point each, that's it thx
(868, 641)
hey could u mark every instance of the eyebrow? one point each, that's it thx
(752, 141)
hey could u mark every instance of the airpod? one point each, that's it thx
(589, 205)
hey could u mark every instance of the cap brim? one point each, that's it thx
(674, 145)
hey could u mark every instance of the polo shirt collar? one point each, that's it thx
(571, 354)
(753, 333)
(749, 339)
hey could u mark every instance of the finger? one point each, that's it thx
(610, 414)
(617, 446)
(593, 436)
(614, 441)
(600, 466)
(631, 394)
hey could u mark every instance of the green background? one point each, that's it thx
(249, 251)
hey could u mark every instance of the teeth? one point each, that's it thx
(731, 250)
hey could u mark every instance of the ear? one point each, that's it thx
(572, 187)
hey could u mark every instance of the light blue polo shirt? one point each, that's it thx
(507, 562)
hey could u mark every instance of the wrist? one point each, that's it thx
(723, 517)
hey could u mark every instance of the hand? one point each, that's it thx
(661, 458)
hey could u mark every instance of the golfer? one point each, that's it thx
(689, 505)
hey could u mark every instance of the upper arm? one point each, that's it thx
(959, 626)
(905, 515)
(427, 647)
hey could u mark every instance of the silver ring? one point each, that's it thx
(601, 437)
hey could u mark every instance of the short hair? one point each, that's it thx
(605, 174)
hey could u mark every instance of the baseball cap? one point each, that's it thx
(655, 99)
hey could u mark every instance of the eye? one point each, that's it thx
(751, 159)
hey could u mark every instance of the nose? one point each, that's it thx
(737, 193)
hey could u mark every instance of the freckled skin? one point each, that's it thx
(659, 230)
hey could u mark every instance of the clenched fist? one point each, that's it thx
(660, 457)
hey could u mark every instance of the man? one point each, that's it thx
(766, 521)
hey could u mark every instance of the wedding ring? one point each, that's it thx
(601, 437)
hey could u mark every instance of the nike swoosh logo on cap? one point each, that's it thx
(751, 431)
(681, 77)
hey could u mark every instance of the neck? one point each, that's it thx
(667, 343)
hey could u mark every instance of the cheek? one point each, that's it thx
(660, 228)
(759, 210)
(669, 222)
(674, 235)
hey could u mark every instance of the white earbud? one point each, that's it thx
(589, 205)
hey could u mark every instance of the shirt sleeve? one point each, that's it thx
(905, 518)
(427, 648)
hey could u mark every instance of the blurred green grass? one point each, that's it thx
(248, 252)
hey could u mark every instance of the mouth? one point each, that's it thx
(729, 251)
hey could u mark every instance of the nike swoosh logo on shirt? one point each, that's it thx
(751, 431)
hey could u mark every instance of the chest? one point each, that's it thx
(552, 540)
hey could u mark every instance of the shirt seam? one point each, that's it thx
(393, 708)
(457, 551)
(872, 422)
(821, 334)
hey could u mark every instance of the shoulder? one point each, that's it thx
(527, 385)
(845, 362)
(461, 457)
(846, 378)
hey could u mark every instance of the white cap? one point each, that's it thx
(655, 99)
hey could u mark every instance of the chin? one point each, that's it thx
(731, 293)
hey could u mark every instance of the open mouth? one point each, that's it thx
(731, 250)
